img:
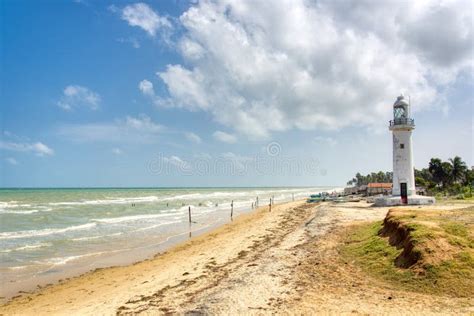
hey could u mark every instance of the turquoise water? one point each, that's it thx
(46, 232)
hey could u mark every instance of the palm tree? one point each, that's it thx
(459, 169)
(436, 170)
(447, 171)
(441, 172)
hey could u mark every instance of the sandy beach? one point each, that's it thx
(285, 261)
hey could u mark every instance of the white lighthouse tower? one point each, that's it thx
(403, 189)
(402, 126)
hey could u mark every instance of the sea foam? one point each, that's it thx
(44, 232)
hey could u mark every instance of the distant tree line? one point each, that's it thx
(451, 177)
(380, 176)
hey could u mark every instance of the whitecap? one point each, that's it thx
(27, 247)
(114, 220)
(44, 232)
(25, 212)
(95, 237)
(128, 200)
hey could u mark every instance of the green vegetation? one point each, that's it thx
(452, 178)
(442, 243)
(380, 176)
(441, 178)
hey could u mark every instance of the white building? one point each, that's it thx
(403, 189)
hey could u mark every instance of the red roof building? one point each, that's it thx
(375, 188)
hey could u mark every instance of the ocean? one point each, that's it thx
(49, 234)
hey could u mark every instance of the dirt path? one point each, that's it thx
(285, 262)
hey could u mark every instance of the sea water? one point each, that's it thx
(47, 234)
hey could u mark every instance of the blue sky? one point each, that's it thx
(176, 93)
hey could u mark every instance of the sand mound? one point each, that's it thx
(423, 237)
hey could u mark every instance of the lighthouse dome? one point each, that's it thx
(401, 102)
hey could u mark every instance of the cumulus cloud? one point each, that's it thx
(139, 129)
(147, 89)
(225, 137)
(76, 96)
(141, 15)
(37, 148)
(193, 137)
(260, 66)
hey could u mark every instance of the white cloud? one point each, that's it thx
(225, 137)
(193, 137)
(37, 148)
(11, 161)
(178, 163)
(146, 87)
(76, 96)
(139, 129)
(117, 151)
(260, 66)
(143, 124)
(141, 15)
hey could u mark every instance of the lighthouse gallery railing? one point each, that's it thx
(403, 121)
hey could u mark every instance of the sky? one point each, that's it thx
(227, 93)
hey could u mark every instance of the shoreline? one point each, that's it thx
(122, 258)
(109, 259)
(51, 260)
(134, 257)
(171, 250)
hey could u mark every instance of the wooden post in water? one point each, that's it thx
(231, 210)
(270, 205)
(189, 212)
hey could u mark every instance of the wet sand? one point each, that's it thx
(283, 261)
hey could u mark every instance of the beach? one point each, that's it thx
(52, 234)
(279, 261)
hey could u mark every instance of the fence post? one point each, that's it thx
(189, 213)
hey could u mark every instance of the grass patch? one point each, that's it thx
(444, 245)
(456, 229)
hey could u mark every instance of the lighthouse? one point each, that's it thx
(403, 187)
(402, 127)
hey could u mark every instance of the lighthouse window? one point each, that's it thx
(402, 146)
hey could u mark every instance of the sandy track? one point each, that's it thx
(283, 262)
